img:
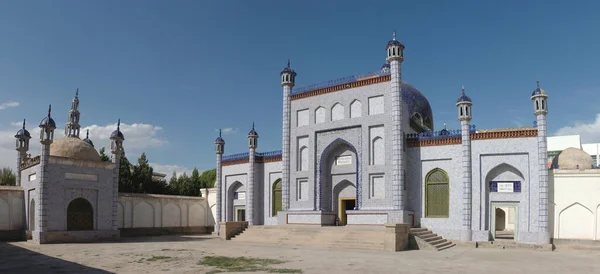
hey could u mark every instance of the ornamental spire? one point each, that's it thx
(463, 90)
(394, 35)
(49, 110)
(23, 123)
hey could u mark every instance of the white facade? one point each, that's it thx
(362, 150)
(556, 144)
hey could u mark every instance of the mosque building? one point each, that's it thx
(70, 194)
(363, 150)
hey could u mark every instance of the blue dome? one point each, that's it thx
(220, 140)
(48, 122)
(22, 133)
(463, 98)
(252, 131)
(288, 69)
(87, 138)
(394, 42)
(386, 65)
(538, 90)
(117, 133)
(416, 101)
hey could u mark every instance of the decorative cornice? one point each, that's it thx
(358, 83)
(29, 162)
(479, 135)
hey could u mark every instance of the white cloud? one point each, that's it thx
(168, 169)
(589, 133)
(137, 138)
(9, 105)
(227, 130)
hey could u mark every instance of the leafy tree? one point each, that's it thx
(103, 156)
(125, 177)
(173, 184)
(208, 178)
(142, 175)
(7, 177)
(182, 183)
(194, 184)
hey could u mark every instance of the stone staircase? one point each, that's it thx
(338, 237)
(426, 239)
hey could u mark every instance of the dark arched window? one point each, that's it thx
(80, 215)
(437, 194)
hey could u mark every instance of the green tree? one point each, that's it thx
(194, 184)
(174, 184)
(125, 177)
(7, 177)
(103, 156)
(142, 176)
(182, 183)
(208, 178)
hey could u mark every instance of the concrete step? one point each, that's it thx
(429, 240)
(445, 246)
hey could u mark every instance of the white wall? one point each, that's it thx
(575, 202)
(151, 210)
(11, 208)
(559, 143)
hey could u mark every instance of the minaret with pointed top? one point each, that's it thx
(47, 127)
(464, 116)
(116, 147)
(22, 146)
(540, 110)
(72, 127)
(288, 80)
(395, 56)
(219, 149)
(250, 203)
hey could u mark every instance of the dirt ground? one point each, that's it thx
(184, 254)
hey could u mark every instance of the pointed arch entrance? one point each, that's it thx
(80, 215)
(339, 157)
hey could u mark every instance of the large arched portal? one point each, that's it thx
(80, 215)
(236, 202)
(339, 162)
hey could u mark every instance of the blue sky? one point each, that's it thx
(179, 70)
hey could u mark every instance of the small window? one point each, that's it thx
(537, 105)
(543, 104)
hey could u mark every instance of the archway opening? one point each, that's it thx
(80, 215)
(339, 160)
(277, 198)
(236, 203)
(500, 220)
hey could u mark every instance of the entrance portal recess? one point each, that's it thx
(505, 225)
(346, 204)
(240, 215)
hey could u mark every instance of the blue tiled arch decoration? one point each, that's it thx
(325, 152)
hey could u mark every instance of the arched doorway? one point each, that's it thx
(236, 203)
(339, 159)
(80, 215)
(32, 215)
(500, 219)
(277, 198)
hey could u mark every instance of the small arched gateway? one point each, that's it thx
(80, 215)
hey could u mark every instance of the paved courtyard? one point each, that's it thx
(180, 254)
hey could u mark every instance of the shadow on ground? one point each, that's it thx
(14, 259)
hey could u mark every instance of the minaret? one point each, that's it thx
(47, 127)
(540, 110)
(72, 127)
(252, 143)
(395, 56)
(219, 149)
(116, 147)
(22, 146)
(464, 116)
(288, 79)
